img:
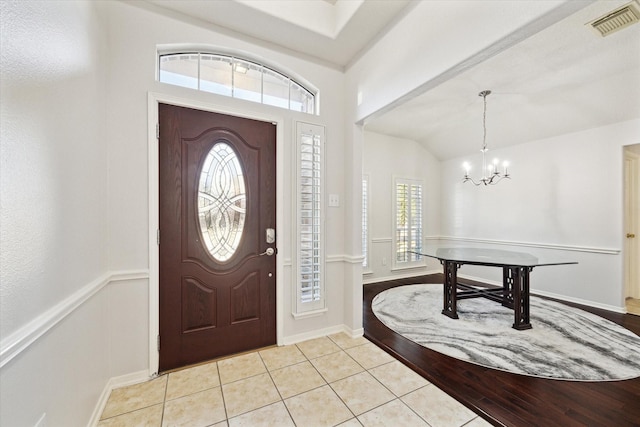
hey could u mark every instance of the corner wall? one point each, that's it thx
(386, 157)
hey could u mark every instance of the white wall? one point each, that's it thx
(75, 82)
(75, 281)
(385, 158)
(134, 35)
(566, 194)
(53, 203)
(54, 211)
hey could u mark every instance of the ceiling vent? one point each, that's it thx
(616, 19)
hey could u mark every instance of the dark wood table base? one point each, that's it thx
(514, 293)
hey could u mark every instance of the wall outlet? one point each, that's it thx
(334, 200)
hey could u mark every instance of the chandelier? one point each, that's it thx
(491, 174)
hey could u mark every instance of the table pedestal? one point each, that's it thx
(514, 293)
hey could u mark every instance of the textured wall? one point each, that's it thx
(54, 171)
(54, 201)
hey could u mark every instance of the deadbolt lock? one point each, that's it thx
(630, 235)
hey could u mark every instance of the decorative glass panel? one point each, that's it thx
(222, 202)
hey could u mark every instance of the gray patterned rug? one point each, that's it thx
(565, 342)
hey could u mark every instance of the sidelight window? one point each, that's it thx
(237, 78)
(310, 294)
(365, 221)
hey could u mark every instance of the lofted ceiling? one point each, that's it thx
(565, 78)
(331, 31)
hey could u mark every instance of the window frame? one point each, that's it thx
(301, 308)
(417, 260)
(293, 81)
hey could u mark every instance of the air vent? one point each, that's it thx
(616, 20)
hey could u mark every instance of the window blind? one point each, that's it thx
(310, 218)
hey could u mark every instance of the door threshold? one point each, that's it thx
(206, 362)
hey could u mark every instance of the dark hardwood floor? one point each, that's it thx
(506, 399)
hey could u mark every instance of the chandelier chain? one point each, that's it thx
(484, 122)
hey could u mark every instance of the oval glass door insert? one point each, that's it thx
(222, 202)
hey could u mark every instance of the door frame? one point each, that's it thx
(631, 165)
(153, 100)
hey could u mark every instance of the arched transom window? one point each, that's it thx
(236, 78)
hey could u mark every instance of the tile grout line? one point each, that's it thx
(349, 376)
(277, 389)
(335, 392)
(164, 400)
(366, 358)
(396, 397)
(224, 401)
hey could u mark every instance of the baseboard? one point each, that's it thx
(318, 333)
(405, 275)
(607, 307)
(353, 333)
(113, 383)
(481, 280)
(559, 297)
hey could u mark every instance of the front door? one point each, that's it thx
(217, 230)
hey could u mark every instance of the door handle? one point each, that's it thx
(268, 252)
(630, 235)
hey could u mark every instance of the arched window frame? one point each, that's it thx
(240, 65)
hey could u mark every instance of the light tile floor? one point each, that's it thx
(329, 381)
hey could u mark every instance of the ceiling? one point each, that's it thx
(333, 32)
(566, 78)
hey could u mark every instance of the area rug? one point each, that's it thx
(565, 343)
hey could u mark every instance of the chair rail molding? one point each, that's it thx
(21, 339)
(556, 246)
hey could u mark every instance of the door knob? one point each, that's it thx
(268, 252)
(630, 235)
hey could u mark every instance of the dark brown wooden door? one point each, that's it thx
(217, 199)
